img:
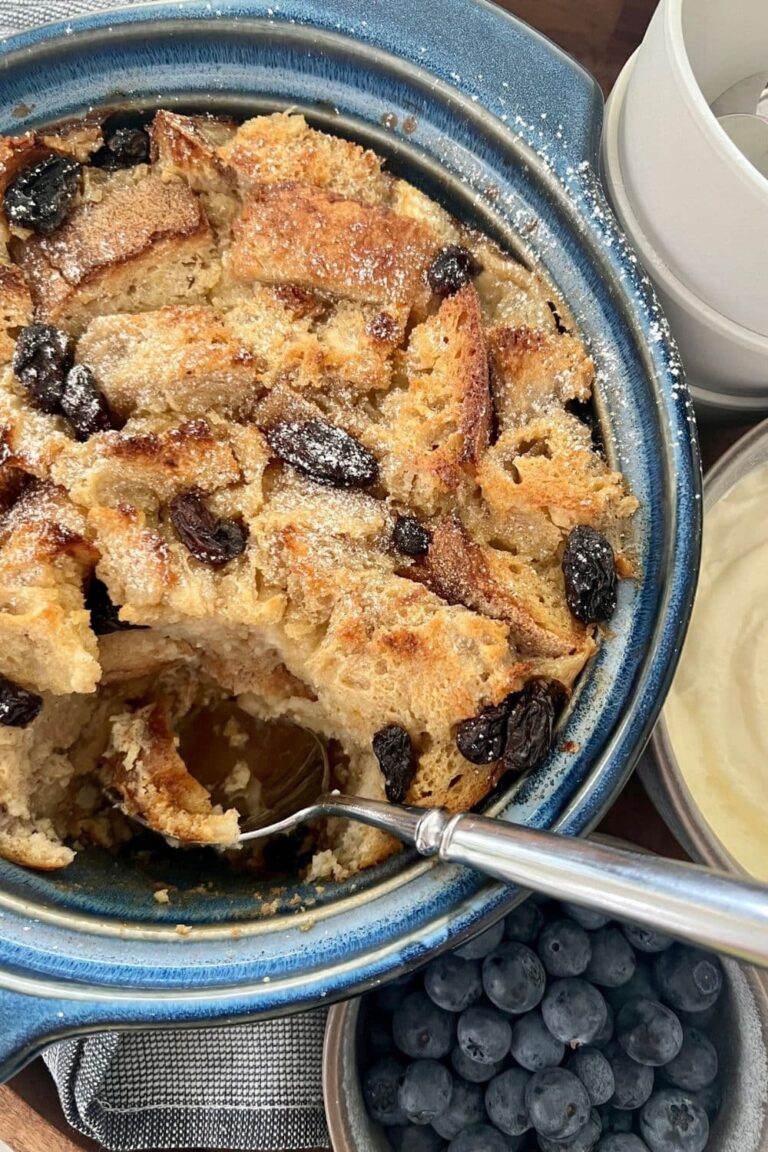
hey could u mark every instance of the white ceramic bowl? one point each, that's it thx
(700, 202)
(659, 767)
(726, 364)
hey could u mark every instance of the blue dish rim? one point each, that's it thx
(571, 165)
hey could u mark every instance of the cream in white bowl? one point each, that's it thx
(707, 766)
(717, 709)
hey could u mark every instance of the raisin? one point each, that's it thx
(209, 538)
(531, 723)
(394, 752)
(451, 269)
(41, 196)
(104, 614)
(41, 362)
(123, 148)
(481, 738)
(18, 707)
(84, 405)
(410, 537)
(561, 328)
(323, 452)
(590, 575)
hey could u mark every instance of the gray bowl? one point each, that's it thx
(740, 1034)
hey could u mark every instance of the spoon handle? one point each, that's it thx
(689, 902)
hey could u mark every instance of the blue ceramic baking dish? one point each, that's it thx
(497, 123)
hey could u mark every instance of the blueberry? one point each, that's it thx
(584, 1140)
(695, 1065)
(421, 1029)
(479, 1138)
(585, 916)
(605, 1035)
(564, 948)
(378, 1033)
(615, 1119)
(689, 978)
(633, 1081)
(672, 1122)
(709, 1098)
(466, 1108)
(390, 997)
(533, 1045)
(415, 1138)
(484, 1034)
(473, 1070)
(453, 983)
(704, 1019)
(574, 1011)
(425, 1091)
(381, 1085)
(640, 985)
(612, 962)
(557, 1103)
(649, 1032)
(595, 1073)
(524, 923)
(514, 978)
(645, 939)
(479, 947)
(621, 1142)
(505, 1102)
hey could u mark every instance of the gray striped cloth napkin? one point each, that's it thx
(253, 1086)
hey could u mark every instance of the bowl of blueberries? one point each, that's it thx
(555, 1030)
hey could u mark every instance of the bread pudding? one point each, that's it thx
(279, 436)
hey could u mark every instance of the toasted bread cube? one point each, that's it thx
(15, 308)
(144, 767)
(294, 233)
(437, 429)
(545, 475)
(533, 371)
(143, 244)
(46, 640)
(282, 147)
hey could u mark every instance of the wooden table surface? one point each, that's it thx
(602, 34)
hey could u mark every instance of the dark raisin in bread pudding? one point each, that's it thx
(313, 438)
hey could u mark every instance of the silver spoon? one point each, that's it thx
(689, 902)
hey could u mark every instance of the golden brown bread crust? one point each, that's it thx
(249, 275)
(143, 766)
(438, 428)
(533, 370)
(15, 308)
(281, 148)
(136, 238)
(293, 233)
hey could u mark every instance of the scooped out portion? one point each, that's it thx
(284, 449)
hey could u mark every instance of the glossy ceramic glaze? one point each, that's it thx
(503, 128)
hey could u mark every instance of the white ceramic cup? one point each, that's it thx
(701, 204)
(726, 364)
